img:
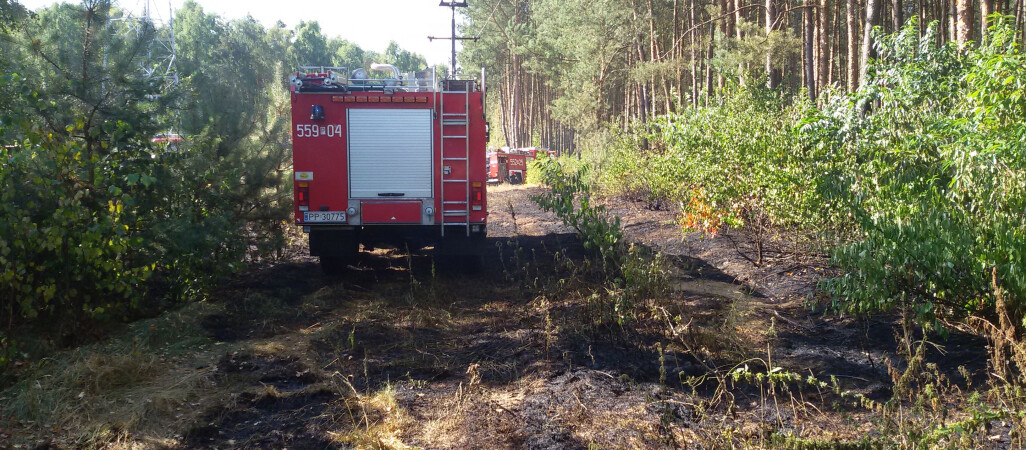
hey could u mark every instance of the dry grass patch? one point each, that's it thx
(377, 420)
(137, 384)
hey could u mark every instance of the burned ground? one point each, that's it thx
(406, 350)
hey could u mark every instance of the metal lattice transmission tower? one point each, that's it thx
(147, 21)
(145, 18)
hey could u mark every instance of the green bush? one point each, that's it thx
(915, 183)
(68, 248)
(96, 221)
(932, 172)
(632, 273)
(570, 199)
(738, 164)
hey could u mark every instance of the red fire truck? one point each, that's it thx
(532, 152)
(397, 160)
(506, 167)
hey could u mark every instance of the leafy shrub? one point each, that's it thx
(933, 180)
(96, 221)
(737, 164)
(634, 273)
(66, 250)
(915, 183)
(571, 201)
(88, 237)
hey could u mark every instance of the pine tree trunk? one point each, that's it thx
(923, 18)
(727, 24)
(872, 18)
(809, 35)
(708, 67)
(963, 22)
(823, 77)
(695, 65)
(852, 18)
(897, 15)
(773, 75)
(738, 32)
(504, 106)
(951, 12)
(986, 8)
(835, 46)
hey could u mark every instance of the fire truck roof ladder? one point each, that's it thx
(456, 128)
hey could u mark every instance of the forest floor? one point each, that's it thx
(405, 351)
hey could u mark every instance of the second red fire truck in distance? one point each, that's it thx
(508, 165)
(397, 160)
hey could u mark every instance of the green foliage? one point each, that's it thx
(738, 164)
(404, 60)
(310, 48)
(68, 233)
(915, 183)
(98, 223)
(570, 200)
(635, 273)
(61, 254)
(934, 181)
(745, 57)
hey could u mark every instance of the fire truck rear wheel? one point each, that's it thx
(333, 265)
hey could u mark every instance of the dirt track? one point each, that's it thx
(432, 357)
(403, 350)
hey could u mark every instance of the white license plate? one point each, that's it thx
(324, 216)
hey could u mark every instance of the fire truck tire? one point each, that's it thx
(459, 263)
(333, 265)
(337, 249)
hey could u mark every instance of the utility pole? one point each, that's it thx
(453, 4)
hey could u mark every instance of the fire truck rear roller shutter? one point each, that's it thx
(390, 151)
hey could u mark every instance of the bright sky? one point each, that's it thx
(371, 24)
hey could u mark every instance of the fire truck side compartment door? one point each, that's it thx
(390, 153)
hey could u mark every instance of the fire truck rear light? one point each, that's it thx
(304, 184)
(303, 196)
(429, 211)
(476, 195)
(352, 211)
